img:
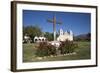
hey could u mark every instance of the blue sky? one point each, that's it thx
(79, 23)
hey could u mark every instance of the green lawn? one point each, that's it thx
(82, 52)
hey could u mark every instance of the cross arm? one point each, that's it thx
(58, 22)
(49, 20)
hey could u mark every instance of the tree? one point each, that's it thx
(32, 31)
(49, 36)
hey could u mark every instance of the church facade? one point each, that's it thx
(63, 36)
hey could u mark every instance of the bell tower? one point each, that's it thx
(61, 32)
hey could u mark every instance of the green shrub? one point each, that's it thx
(67, 47)
(45, 49)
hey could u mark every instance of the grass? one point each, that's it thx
(82, 52)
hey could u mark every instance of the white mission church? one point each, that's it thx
(65, 36)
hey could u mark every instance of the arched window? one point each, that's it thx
(36, 40)
(42, 39)
(39, 39)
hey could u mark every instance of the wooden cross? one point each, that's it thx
(54, 25)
